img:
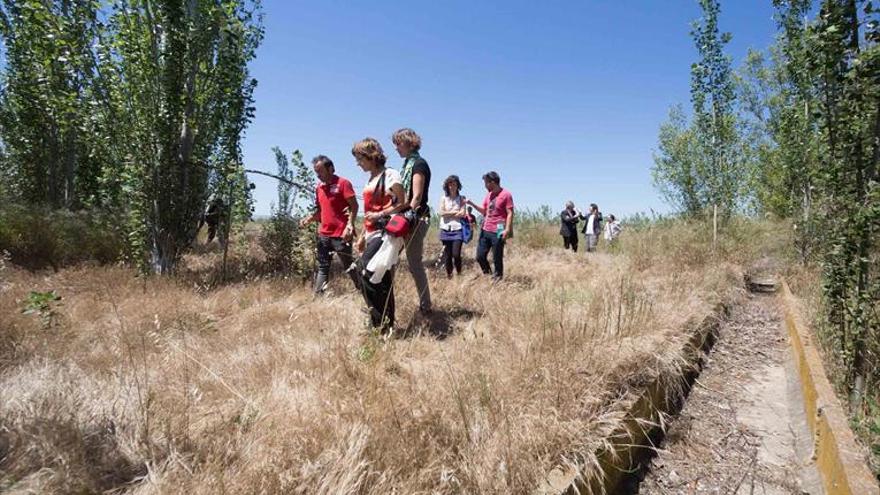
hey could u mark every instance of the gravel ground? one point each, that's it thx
(742, 429)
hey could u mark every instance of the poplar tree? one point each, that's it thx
(710, 169)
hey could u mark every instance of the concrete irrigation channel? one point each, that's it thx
(742, 425)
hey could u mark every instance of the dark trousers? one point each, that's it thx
(326, 247)
(212, 230)
(570, 241)
(452, 256)
(490, 240)
(379, 297)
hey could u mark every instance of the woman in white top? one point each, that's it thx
(452, 214)
(612, 229)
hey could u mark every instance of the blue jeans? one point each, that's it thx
(490, 240)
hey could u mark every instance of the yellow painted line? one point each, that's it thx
(838, 459)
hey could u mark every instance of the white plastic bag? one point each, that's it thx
(385, 258)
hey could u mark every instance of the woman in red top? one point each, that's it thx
(383, 197)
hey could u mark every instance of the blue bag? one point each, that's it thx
(467, 233)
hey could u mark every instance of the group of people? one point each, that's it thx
(571, 216)
(396, 216)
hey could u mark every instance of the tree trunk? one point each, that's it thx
(163, 254)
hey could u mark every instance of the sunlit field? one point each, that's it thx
(166, 384)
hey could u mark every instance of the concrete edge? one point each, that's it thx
(633, 440)
(839, 459)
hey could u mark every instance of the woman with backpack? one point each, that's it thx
(383, 196)
(453, 224)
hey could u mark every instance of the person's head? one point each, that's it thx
(492, 181)
(369, 155)
(451, 186)
(406, 141)
(470, 210)
(569, 205)
(612, 218)
(593, 208)
(324, 168)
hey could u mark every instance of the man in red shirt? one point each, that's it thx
(497, 211)
(337, 208)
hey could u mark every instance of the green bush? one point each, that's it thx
(288, 247)
(37, 237)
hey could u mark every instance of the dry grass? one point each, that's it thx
(149, 386)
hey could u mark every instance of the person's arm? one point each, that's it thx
(443, 210)
(418, 190)
(361, 242)
(398, 192)
(311, 218)
(479, 208)
(348, 233)
(508, 225)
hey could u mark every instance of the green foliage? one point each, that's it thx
(179, 74)
(675, 169)
(802, 131)
(367, 351)
(703, 163)
(40, 237)
(845, 57)
(42, 304)
(820, 122)
(288, 247)
(53, 147)
(138, 108)
(779, 103)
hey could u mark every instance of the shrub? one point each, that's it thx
(37, 238)
(287, 246)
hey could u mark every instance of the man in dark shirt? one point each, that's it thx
(416, 175)
(214, 216)
(568, 228)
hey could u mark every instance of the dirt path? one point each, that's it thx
(742, 429)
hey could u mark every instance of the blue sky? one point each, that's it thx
(563, 99)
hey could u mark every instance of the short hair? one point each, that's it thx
(324, 162)
(492, 177)
(369, 149)
(408, 137)
(594, 206)
(452, 179)
(612, 217)
(569, 204)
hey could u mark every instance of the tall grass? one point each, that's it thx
(149, 385)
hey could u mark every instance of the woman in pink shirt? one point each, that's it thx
(497, 211)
